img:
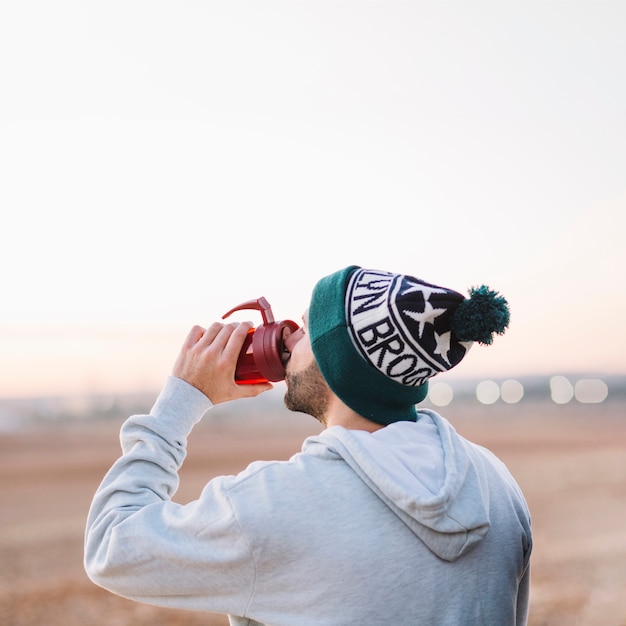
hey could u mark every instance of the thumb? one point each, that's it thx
(251, 391)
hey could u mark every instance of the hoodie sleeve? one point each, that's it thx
(140, 544)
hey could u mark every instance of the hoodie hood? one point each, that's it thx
(424, 472)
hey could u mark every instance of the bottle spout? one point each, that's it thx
(260, 304)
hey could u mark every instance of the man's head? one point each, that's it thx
(378, 337)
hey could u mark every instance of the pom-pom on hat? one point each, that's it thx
(378, 337)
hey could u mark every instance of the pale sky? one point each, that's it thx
(161, 162)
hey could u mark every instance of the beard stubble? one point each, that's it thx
(307, 392)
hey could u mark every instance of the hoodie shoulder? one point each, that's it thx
(425, 474)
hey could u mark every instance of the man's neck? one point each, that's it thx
(341, 415)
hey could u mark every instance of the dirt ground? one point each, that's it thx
(569, 460)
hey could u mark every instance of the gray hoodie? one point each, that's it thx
(411, 524)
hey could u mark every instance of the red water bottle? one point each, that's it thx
(263, 355)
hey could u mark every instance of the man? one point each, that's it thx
(387, 517)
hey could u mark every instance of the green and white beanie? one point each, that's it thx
(378, 337)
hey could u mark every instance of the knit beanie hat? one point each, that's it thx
(378, 337)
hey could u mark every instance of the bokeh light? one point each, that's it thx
(511, 391)
(591, 391)
(488, 392)
(561, 389)
(440, 394)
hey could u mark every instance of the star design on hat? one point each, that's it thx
(427, 290)
(443, 345)
(427, 316)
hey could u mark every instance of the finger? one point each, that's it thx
(194, 335)
(249, 391)
(236, 339)
(212, 332)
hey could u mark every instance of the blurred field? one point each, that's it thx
(570, 461)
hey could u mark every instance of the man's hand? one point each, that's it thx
(208, 358)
